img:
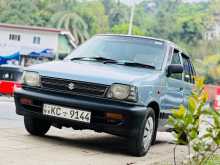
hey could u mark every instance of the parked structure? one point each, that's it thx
(34, 42)
(214, 31)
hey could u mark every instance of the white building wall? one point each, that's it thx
(48, 40)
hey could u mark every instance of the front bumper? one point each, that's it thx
(135, 114)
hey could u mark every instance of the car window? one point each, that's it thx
(8, 76)
(193, 73)
(176, 60)
(187, 71)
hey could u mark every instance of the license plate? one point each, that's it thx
(67, 113)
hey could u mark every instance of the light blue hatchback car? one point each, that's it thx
(118, 84)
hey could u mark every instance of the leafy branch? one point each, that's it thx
(187, 121)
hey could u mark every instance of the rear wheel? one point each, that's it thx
(36, 126)
(140, 144)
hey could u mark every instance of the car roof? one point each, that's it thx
(138, 36)
(167, 42)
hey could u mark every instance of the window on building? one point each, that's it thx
(36, 40)
(15, 37)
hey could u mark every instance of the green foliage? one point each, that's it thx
(210, 68)
(187, 121)
(93, 14)
(69, 18)
(18, 12)
(119, 14)
(123, 29)
(183, 23)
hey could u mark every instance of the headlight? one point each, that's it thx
(123, 92)
(31, 78)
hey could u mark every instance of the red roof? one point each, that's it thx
(24, 27)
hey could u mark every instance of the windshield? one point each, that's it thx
(121, 48)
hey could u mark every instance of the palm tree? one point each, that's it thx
(69, 19)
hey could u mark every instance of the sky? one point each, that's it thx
(129, 2)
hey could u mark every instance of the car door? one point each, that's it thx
(188, 76)
(173, 90)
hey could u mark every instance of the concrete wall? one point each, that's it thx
(48, 40)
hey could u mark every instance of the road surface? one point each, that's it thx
(68, 147)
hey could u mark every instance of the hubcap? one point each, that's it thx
(148, 132)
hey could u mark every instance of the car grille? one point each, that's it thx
(73, 87)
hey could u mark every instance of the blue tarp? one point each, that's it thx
(13, 57)
(45, 53)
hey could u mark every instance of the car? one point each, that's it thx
(10, 76)
(123, 85)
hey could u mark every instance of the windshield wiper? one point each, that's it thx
(98, 58)
(78, 58)
(108, 60)
(137, 64)
(103, 59)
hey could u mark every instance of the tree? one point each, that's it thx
(18, 12)
(119, 14)
(108, 4)
(191, 23)
(214, 7)
(123, 29)
(93, 13)
(70, 19)
(145, 18)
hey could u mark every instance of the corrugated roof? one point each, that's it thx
(24, 27)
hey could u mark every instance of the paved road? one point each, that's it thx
(68, 147)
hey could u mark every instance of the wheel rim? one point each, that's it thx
(148, 132)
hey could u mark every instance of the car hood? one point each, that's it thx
(95, 72)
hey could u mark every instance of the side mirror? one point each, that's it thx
(174, 68)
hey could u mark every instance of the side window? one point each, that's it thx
(193, 73)
(187, 70)
(176, 60)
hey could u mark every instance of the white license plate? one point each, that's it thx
(67, 113)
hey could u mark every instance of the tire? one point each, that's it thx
(37, 127)
(154, 136)
(140, 145)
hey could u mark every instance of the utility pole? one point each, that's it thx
(131, 18)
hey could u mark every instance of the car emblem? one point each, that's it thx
(71, 86)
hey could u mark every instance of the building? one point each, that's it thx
(214, 31)
(31, 41)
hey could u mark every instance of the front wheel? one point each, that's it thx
(36, 126)
(140, 144)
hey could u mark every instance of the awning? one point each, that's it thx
(4, 59)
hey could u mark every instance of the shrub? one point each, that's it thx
(186, 121)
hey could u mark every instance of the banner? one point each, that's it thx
(44, 53)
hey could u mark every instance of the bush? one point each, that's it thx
(187, 121)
